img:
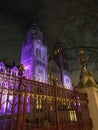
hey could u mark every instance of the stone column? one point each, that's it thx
(87, 84)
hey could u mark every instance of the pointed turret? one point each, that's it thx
(58, 56)
(34, 33)
(34, 55)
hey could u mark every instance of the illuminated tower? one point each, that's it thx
(34, 55)
(57, 52)
(62, 63)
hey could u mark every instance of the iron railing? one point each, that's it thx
(30, 105)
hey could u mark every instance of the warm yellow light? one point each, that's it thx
(73, 116)
(39, 102)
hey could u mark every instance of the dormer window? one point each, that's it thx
(8, 71)
(2, 67)
(14, 73)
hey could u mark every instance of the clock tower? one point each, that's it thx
(34, 55)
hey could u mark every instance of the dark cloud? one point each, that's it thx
(74, 22)
(11, 38)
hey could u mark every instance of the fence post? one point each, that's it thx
(18, 121)
(77, 113)
(19, 106)
(56, 105)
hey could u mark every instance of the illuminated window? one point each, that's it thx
(40, 74)
(6, 84)
(13, 73)
(67, 80)
(73, 116)
(11, 86)
(38, 103)
(9, 106)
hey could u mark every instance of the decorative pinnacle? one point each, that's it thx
(35, 23)
(21, 69)
(83, 60)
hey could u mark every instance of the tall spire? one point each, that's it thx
(34, 33)
(35, 22)
(57, 54)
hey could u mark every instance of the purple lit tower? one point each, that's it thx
(34, 55)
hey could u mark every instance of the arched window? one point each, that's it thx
(13, 73)
(11, 86)
(1, 69)
(6, 84)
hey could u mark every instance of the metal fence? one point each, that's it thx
(30, 105)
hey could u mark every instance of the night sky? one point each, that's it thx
(73, 22)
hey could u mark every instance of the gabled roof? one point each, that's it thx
(2, 64)
(15, 68)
